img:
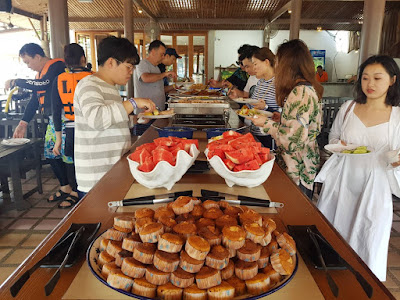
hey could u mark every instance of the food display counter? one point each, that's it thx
(118, 184)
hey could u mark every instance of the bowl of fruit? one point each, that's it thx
(349, 149)
(240, 159)
(163, 162)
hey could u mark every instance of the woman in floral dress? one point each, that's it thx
(299, 124)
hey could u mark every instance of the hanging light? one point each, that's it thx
(140, 10)
(319, 28)
(289, 11)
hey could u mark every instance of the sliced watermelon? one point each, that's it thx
(240, 156)
(258, 159)
(162, 154)
(148, 165)
(143, 155)
(229, 164)
(264, 154)
(148, 146)
(135, 156)
(242, 141)
(164, 141)
(223, 147)
(188, 142)
(174, 150)
(250, 165)
(217, 152)
(231, 133)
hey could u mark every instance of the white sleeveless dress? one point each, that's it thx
(356, 196)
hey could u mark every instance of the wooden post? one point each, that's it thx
(93, 51)
(295, 19)
(59, 29)
(128, 32)
(191, 55)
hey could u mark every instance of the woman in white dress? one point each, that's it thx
(356, 195)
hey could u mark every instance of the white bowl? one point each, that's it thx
(165, 175)
(249, 178)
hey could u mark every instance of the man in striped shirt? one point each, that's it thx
(101, 118)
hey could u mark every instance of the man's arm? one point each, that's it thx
(153, 77)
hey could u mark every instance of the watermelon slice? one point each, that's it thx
(242, 141)
(217, 152)
(258, 159)
(135, 156)
(264, 154)
(149, 147)
(250, 165)
(229, 164)
(164, 141)
(144, 154)
(231, 133)
(161, 154)
(240, 156)
(188, 142)
(174, 150)
(147, 166)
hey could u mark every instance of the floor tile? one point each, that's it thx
(395, 241)
(393, 259)
(4, 222)
(396, 295)
(5, 272)
(4, 252)
(18, 256)
(23, 224)
(36, 213)
(396, 274)
(58, 213)
(12, 239)
(396, 217)
(34, 240)
(12, 213)
(47, 224)
(389, 283)
(396, 226)
(44, 203)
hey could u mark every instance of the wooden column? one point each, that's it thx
(93, 51)
(295, 18)
(128, 32)
(59, 29)
(191, 51)
(44, 38)
(374, 12)
(175, 68)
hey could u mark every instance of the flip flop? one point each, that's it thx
(58, 198)
(71, 200)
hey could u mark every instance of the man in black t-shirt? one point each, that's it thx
(169, 59)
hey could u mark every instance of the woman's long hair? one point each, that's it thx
(295, 64)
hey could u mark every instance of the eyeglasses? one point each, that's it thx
(129, 66)
(239, 63)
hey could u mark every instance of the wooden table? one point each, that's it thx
(12, 158)
(114, 185)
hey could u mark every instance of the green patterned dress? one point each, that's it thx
(296, 135)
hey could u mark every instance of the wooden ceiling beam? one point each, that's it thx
(26, 13)
(145, 9)
(280, 12)
(319, 21)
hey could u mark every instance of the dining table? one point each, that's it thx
(118, 184)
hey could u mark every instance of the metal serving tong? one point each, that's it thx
(54, 279)
(154, 199)
(332, 284)
(241, 200)
(361, 280)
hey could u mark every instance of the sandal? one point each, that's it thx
(56, 198)
(72, 200)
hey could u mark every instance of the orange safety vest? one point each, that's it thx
(40, 75)
(66, 85)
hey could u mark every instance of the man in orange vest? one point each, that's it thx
(321, 75)
(62, 101)
(33, 56)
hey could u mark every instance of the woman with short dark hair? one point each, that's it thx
(356, 195)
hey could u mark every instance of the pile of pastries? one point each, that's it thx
(195, 250)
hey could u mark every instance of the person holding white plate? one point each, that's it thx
(356, 195)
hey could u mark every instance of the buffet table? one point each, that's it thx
(118, 184)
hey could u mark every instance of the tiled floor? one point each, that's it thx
(22, 231)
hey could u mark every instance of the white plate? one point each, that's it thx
(156, 117)
(338, 148)
(259, 111)
(245, 100)
(15, 142)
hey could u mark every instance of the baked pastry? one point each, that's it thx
(249, 252)
(189, 264)
(232, 252)
(232, 211)
(264, 258)
(272, 246)
(165, 261)
(155, 276)
(124, 223)
(144, 288)
(254, 232)
(273, 275)
(144, 213)
(250, 216)
(133, 268)
(258, 284)
(129, 243)
(104, 244)
(213, 213)
(221, 291)
(144, 253)
(218, 258)
(203, 222)
(119, 280)
(163, 211)
(105, 258)
(170, 242)
(194, 293)
(233, 237)
(210, 203)
(151, 232)
(240, 285)
(115, 235)
(287, 242)
(282, 262)
(185, 229)
(119, 258)
(182, 205)
(268, 224)
(168, 223)
(197, 211)
(107, 268)
(140, 223)
(223, 204)
(225, 220)
(228, 271)
(169, 291)
(211, 234)
(208, 277)
(246, 270)
(197, 247)
(181, 278)
(113, 248)
(185, 218)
